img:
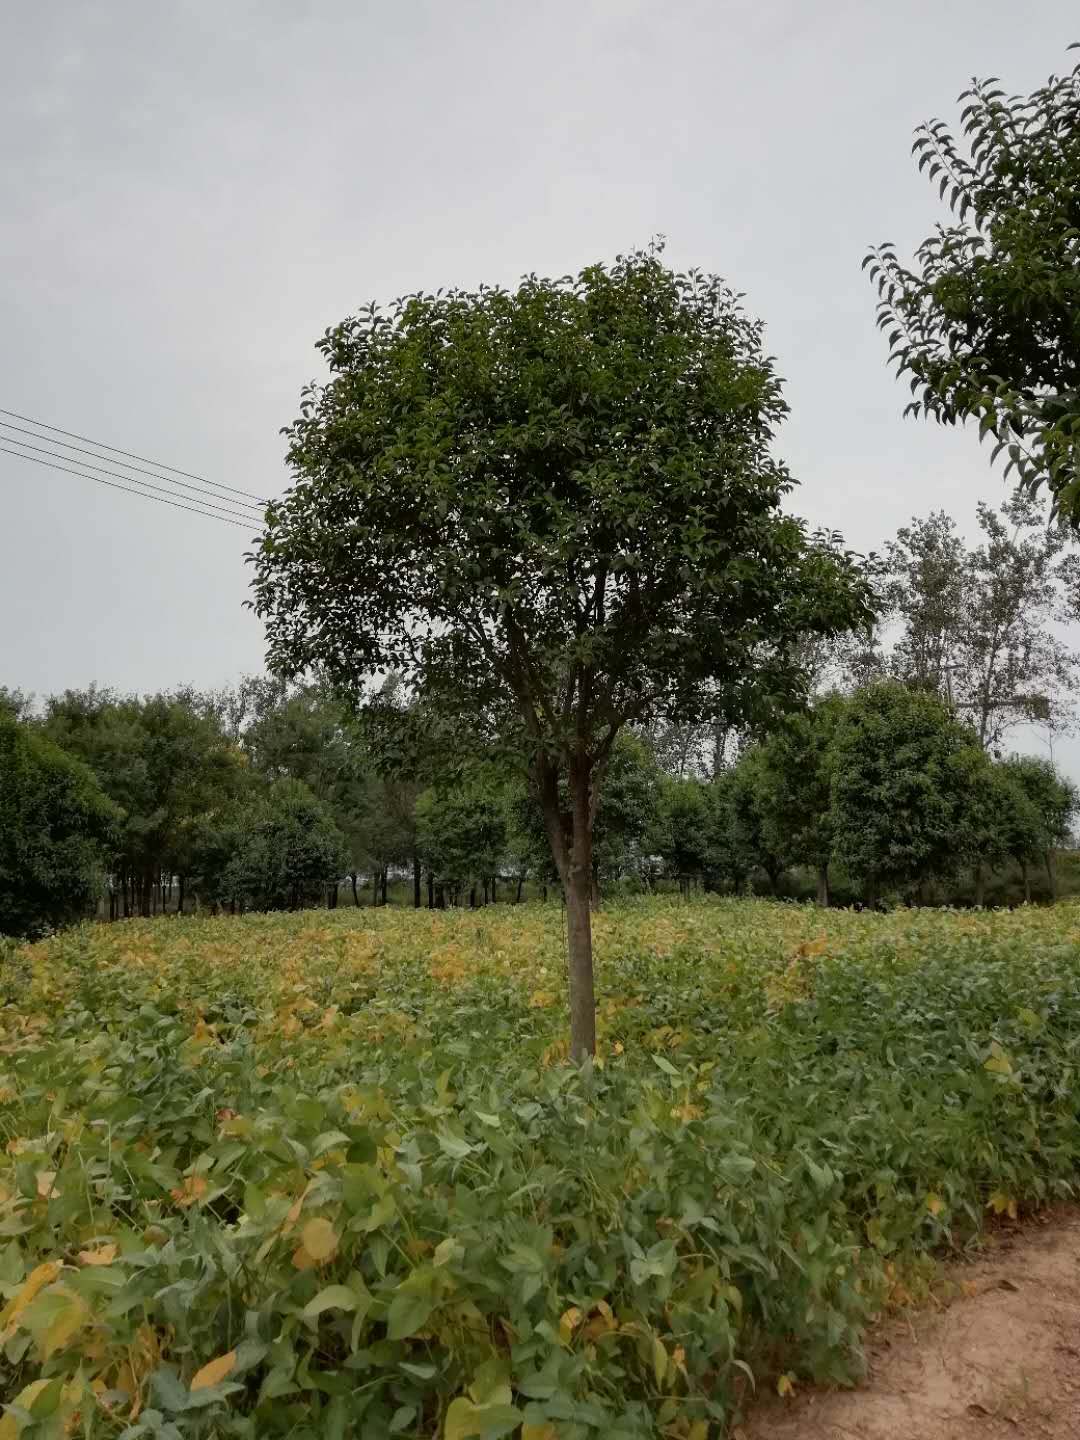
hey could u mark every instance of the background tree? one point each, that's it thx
(982, 627)
(795, 788)
(1053, 801)
(986, 325)
(163, 761)
(285, 849)
(904, 773)
(461, 834)
(57, 829)
(559, 500)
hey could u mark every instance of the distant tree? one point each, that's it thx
(559, 501)
(681, 828)
(986, 325)
(461, 833)
(57, 829)
(904, 773)
(795, 788)
(163, 760)
(756, 842)
(983, 627)
(280, 851)
(1045, 822)
(925, 593)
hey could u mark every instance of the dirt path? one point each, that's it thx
(1003, 1359)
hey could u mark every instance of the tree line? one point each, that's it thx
(891, 783)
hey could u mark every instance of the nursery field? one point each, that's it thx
(328, 1174)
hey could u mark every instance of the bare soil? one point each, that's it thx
(1001, 1359)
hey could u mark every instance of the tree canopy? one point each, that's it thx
(986, 323)
(560, 503)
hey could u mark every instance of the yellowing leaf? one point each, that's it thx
(191, 1192)
(934, 1203)
(319, 1239)
(214, 1372)
(302, 1260)
(998, 1065)
(103, 1255)
(71, 1315)
(785, 1385)
(463, 1419)
(46, 1179)
(38, 1278)
(659, 1359)
(569, 1320)
(1002, 1204)
(538, 1432)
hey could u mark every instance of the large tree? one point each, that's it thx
(986, 322)
(560, 501)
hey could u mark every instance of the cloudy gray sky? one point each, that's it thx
(194, 191)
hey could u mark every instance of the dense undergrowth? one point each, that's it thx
(327, 1174)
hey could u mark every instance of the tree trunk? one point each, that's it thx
(430, 891)
(823, 886)
(494, 884)
(416, 882)
(980, 885)
(385, 869)
(521, 882)
(374, 888)
(578, 887)
(579, 950)
(1051, 873)
(1025, 875)
(355, 892)
(180, 896)
(545, 889)
(472, 898)
(441, 904)
(126, 895)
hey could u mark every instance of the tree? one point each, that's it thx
(795, 788)
(986, 325)
(285, 849)
(461, 832)
(163, 760)
(904, 772)
(680, 829)
(756, 842)
(981, 626)
(56, 830)
(1052, 803)
(557, 503)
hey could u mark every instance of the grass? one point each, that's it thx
(326, 1174)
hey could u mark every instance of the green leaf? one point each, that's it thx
(333, 1297)
(408, 1313)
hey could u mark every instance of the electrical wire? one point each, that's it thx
(104, 469)
(241, 505)
(206, 514)
(131, 455)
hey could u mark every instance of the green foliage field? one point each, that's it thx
(326, 1174)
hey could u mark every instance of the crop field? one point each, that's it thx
(328, 1174)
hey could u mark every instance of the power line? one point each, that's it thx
(226, 509)
(126, 488)
(73, 435)
(180, 484)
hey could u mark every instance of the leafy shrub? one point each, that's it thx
(325, 1174)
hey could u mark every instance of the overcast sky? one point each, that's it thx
(195, 191)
